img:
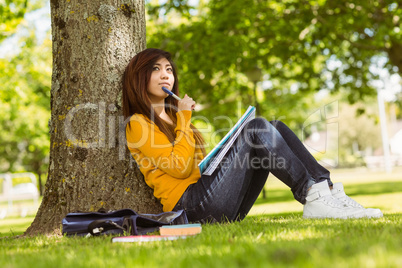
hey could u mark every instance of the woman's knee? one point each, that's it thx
(277, 123)
(264, 125)
(258, 123)
(259, 127)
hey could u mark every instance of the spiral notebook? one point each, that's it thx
(208, 165)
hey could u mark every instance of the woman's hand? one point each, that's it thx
(186, 103)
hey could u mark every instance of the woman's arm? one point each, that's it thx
(175, 159)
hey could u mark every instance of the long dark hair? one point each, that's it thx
(135, 94)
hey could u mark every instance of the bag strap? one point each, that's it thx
(138, 223)
(99, 226)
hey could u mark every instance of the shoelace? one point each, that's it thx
(349, 201)
(330, 200)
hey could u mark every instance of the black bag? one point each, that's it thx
(118, 222)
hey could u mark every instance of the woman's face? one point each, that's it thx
(162, 76)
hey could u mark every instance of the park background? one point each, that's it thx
(334, 79)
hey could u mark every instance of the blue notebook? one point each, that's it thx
(208, 165)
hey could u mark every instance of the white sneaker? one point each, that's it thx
(321, 204)
(339, 193)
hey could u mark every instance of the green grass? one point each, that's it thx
(14, 226)
(280, 241)
(280, 238)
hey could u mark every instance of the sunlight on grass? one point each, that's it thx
(275, 208)
(14, 226)
(388, 203)
(364, 175)
(298, 235)
(378, 255)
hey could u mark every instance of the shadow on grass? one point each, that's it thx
(377, 188)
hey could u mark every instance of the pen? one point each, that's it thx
(171, 93)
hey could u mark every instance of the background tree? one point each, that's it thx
(300, 46)
(90, 167)
(11, 14)
(353, 146)
(25, 93)
(25, 102)
(357, 132)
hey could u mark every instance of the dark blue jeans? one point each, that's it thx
(262, 147)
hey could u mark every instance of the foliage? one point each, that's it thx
(300, 46)
(25, 105)
(353, 125)
(12, 14)
(358, 132)
(398, 105)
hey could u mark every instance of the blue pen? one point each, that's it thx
(171, 93)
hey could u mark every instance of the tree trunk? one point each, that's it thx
(90, 167)
(40, 184)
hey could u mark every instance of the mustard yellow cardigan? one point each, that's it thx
(167, 168)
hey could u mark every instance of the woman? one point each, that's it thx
(168, 148)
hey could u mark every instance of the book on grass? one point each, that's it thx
(145, 238)
(208, 165)
(180, 229)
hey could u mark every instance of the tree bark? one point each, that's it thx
(90, 167)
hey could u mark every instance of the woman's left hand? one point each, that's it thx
(186, 103)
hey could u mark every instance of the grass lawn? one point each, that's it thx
(275, 234)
